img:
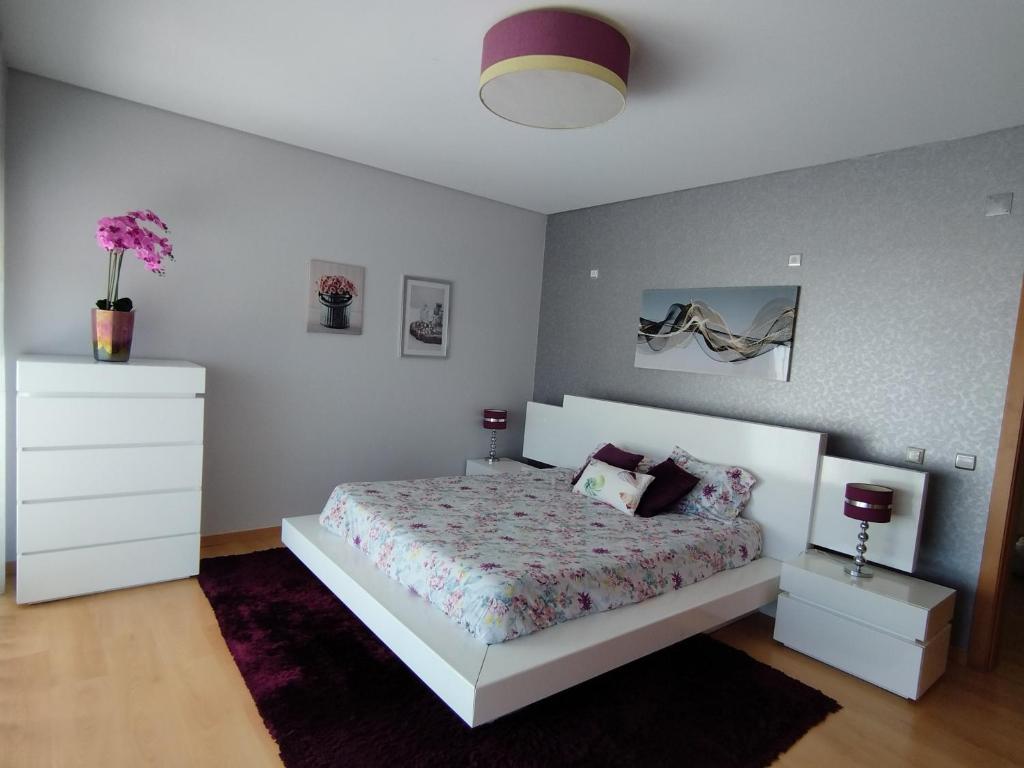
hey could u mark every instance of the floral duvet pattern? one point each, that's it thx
(507, 555)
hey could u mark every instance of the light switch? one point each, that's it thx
(965, 461)
(915, 456)
(795, 259)
(594, 274)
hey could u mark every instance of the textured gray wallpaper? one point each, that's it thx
(907, 308)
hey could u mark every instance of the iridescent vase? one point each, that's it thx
(334, 313)
(112, 335)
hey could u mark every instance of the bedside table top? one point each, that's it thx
(885, 583)
(501, 466)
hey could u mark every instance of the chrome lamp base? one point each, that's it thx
(859, 569)
(491, 458)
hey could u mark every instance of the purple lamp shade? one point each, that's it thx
(495, 418)
(868, 503)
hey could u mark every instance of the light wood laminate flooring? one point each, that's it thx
(142, 677)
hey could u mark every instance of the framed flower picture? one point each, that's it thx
(426, 317)
(335, 297)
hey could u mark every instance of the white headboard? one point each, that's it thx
(785, 461)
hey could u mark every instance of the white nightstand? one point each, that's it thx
(500, 467)
(891, 630)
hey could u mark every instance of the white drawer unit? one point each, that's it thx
(109, 478)
(892, 630)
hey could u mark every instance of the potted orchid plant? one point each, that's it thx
(113, 319)
(336, 295)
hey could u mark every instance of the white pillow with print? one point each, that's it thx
(619, 488)
(723, 490)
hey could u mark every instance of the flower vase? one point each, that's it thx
(112, 335)
(334, 313)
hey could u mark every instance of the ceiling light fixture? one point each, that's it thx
(554, 69)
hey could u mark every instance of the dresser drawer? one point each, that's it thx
(96, 421)
(52, 575)
(897, 603)
(61, 474)
(902, 666)
(83, 375)
(51, 525)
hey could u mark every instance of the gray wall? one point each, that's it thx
(906, 317)
(3, 412)
(289, 413)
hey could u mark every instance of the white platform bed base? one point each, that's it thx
(481, 683)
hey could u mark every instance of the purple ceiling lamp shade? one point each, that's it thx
(554, 69)
(494, 419)
(869, 504)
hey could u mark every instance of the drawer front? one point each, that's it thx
(85, 376)
(902, 666)
(86, 522)
(97, 421)
(52, 575)
(61, 474)
(848, 597)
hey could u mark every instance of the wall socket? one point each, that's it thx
(594, 274)
(915, 456)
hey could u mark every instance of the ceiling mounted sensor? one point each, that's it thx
(554, 69)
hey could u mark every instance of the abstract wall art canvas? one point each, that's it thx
(729, 331)
(426, 317)
(335, 298)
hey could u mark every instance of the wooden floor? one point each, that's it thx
(142, 677)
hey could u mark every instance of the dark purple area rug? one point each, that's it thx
(331, 694)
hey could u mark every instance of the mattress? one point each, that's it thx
(507, 555)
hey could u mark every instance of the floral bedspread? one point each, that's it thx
(507, 555)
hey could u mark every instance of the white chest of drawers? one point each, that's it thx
(892, 630)
(109, 474)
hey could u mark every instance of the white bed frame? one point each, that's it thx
(483, 682)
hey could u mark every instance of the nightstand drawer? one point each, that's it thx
(902, 666)
(894, 602)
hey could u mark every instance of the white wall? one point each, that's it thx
(289, 413)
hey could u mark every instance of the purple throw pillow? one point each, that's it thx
(671, 483)
(609, 454)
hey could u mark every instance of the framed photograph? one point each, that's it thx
(426, 315)
(728, 331)
(335, 298)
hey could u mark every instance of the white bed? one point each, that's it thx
(482, 682)
(509, 554)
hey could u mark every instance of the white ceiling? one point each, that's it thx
(719, 89)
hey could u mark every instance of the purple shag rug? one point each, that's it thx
(331, 694)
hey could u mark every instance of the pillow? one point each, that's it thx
(621, 488)
(671, 482)
(609, 454)
(722, 490)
